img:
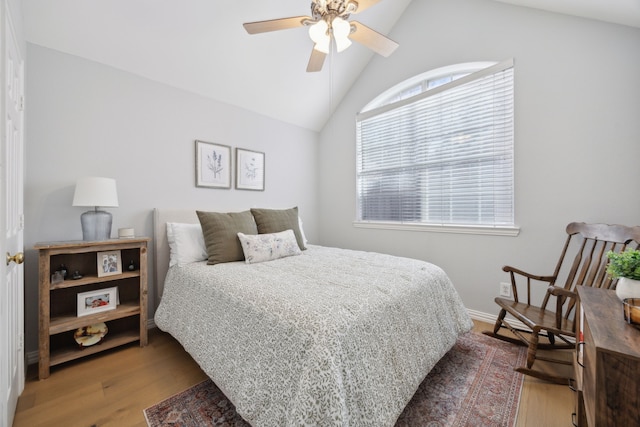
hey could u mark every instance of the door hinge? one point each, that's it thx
(21, 103)
(21, 221)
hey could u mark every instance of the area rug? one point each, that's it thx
(472, 385)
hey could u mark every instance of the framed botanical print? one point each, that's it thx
(249, 170)
(213, 165)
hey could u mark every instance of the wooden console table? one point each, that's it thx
(609, 379)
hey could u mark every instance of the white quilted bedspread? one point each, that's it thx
(329, 338)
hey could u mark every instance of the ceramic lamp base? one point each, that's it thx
(96, 225)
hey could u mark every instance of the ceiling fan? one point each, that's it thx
(329, 21)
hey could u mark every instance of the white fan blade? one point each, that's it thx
(275, 24)
(373, 39)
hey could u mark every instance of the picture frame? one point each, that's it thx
(109, 263)
(92, 302)
(213, 165)
(249, 170)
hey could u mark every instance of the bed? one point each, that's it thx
(329, 337)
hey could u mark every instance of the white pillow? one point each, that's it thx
(186, 243)
(267, 247)
(304, 238)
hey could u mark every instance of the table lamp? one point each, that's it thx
(96, 192)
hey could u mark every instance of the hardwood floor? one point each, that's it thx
(113, 388)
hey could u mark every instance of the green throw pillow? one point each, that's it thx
(274, 221)
(220, 232)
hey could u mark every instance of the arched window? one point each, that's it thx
(437, 149)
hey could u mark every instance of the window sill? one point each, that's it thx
(459, 229)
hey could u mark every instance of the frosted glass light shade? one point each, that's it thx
(320, 36)
(318, 31)
(96, 191)
(341, 31)
(322, 47)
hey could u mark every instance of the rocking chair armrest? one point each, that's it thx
(556, 291)
(509, 269)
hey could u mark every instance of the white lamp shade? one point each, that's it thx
(96, 191)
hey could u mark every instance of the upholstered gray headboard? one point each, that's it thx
(160, 243)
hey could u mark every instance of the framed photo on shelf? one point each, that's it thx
(249, 170)
(213, 165)
(109, 263)
(97, 301)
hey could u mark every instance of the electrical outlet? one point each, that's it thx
(505, 289)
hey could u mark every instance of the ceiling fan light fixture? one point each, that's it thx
(318, 31)
(341, 30)
(342, 44)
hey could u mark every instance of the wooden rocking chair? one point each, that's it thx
(591, 242)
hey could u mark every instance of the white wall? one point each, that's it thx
(84, 118)
(577, 134)
(577, 127)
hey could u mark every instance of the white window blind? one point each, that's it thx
(442, 157)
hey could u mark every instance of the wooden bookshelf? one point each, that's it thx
(58, 317)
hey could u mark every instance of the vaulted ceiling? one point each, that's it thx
(200, 46)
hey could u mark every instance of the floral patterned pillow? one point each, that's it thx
(267, 247)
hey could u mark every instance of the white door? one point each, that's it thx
(12, 374)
